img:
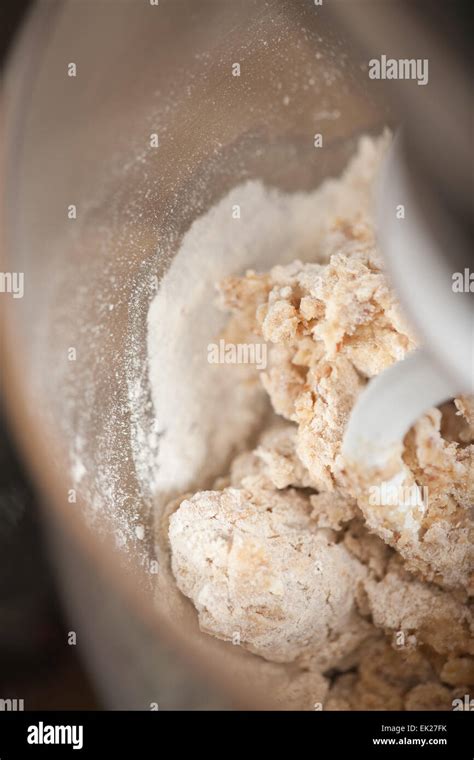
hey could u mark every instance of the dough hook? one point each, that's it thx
(393, 401)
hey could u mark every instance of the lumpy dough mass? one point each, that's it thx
(257, 567)
(287, 555)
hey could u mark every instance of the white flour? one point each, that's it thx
(203, 415)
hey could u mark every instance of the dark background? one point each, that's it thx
(12, 14)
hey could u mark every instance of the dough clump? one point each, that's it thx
(287, 555)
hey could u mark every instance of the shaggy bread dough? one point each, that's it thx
(386, 679)
(288, 555)
(421, 613)
(258, 568)
(329, 328)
